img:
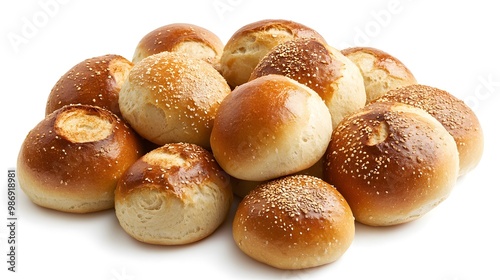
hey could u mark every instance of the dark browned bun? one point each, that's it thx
(72, 159)
(95, 81)
(454, 115)
(392, 162)
(249, 44)
(322, 68)
(175, 194)
(190, 39)
(294, 222)
(381, 71)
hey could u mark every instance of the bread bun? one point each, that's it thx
(324, 69)
(454, 115)
(175, 194)
(270, 127)
(189, 39)
(381, 71)
(392, 162)
(294, 222)
(72, 159)
(250, 43)
(169, 97)
(95, 81)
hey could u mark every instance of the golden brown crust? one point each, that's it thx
(297, 30)
(294, 222)
(169, 97)
(250, 43)
(95, 81)
(452, 113)
(272, 120)
(384, 61)
(175, 194)
(59, 165)
(308, 61)
(154, 170)
(392, 162)
(381, 71)
(171, 36)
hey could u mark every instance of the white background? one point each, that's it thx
(450, 45)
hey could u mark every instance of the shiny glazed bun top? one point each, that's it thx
(250, 43)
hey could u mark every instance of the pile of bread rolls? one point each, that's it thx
(308, 138)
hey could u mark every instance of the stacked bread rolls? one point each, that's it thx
(309, 138)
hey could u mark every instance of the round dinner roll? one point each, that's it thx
(249, 44)
(176, 194)
(324, 69)
(294, 222)
(392, 162)
(381, 71)
(189, 39)
(270, 127)
(170, 97)
(454, 115)
(72, 159)
(95, 81)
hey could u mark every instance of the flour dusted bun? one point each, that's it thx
(95, 81)
(189, 39)
(392, 162)
(270, 127)
(250, 43)
(72, 159)
(454, 115)
(175, 194)
(294, 222)
(170, 97)
(381, 71)
(322, 68)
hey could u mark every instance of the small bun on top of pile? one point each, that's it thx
(249, 44)
(192, 40)
(324, 69)
(381, 71)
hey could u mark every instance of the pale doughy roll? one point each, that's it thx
(176, 194)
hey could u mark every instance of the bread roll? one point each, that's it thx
(189, 39)
(169, 97)
(294, 222)
(72, 159)
(250, 43)
(392, 162)
(95, 81)
(324, 69)
(175, 194)
(270, 127)
(454, 115)
(381, 71)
